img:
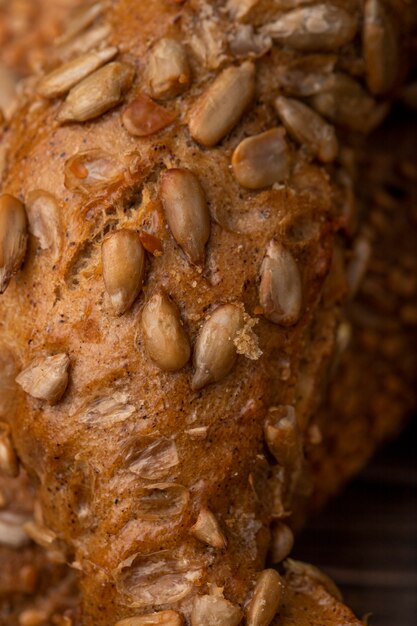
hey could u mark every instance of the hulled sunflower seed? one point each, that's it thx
(13, 238)
(60, 80)
(317, 28)
(215, 351)
(12, 534)
(220, 108)
(282, 435)
(380, 47)
(123, 259)
(262, 160)
(305, 569)
(282, 541)
(44, 219)
(97, 93)
(207, 529)
(307, 127)
(162, 618)
(166, 341)
(168, 71)
(143, 117)
(280, 291)
(266, 599)
(82, 19)
(186, 211)
(306, 75)
(214, 610)
(9, 463)
(40, 534)
(46, 378)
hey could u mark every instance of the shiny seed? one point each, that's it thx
(305, 569)
(97, 93)
(9, 463)
(282, 435)
(40, 534)
(69, 74)
(307, 127)
(215, 351)
(44, 223)
(166, 341)
(46, 378)
(380, 47)
(81, 20)
(123, 259)
(280, 291)
(143, 117)
(162, 618)
(214, 610)
(13, 238)
(168, 70)
(282, 541)
(220, 108)
(207, 529)
(12, 534)
(262, 160)
(186, 211)
(316, 28)
(266, 599)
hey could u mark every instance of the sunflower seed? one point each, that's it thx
(12, 534)
(280, 291)
(9, 463)
(8, 84)
(380, 47)
(81, 20)
(46, 378)
(214, 610)
(86, 41)
(161, 501)
(123, 259)
(317, 28)
(61, 80)
(33, 617)
(220, 108)
(168, 71)
(305, 569)
(44, 223)
(40, 534)
(345, 102)
(282, 541)
(186, 212)
(266, 599)
(215, 351)
(307, 127)
(306, 75)
(262, 160)
(92, 169)
(13, 238)
(282, 435)
(97, 93)
(155, 461)
(207, 529)
(162, 618)
(358, 264)
(166, 341)
(143, 117)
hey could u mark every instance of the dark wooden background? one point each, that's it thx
(366, 539)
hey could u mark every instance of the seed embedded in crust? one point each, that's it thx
(97, 93)
(380, 47)
(282, 541)
(12, 534)
(123, 260)
(186, 211)
(215, 610)
(262, 160)
(143, 117)
(40, 534)
(166, 341)
(9, 463)
(305, 569)
(168, 70)
(323, 27)
(44, 219)
(13, 238)
(282, 435)
(307, 127)
(215, 351)
(33, 617)
(82, 18)
(280, 291)
(46, 378)
(62, 79)
(220, 108)
(207, 529)
(266, 599)
(162, 618)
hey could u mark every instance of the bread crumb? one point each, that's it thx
(246, 341)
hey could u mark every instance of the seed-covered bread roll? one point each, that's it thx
(167, 229)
